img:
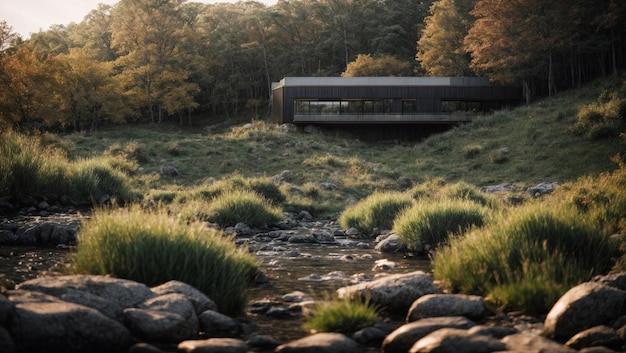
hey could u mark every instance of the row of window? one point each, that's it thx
(377, 106)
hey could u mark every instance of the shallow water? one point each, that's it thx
(318, 272)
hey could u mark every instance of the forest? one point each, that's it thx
(174, 60)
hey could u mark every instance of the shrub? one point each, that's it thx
(376, 211)
(246, 207)
(342, 315)
(236, 183)
(153, 248)
(536, 246)
(432, 222)
(603, 118)
(465, 191)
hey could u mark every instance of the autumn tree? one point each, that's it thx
(440, 49)
(385, 65)
(147, 34)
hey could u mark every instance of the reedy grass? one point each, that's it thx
(246, 207)
(152, 248)
(346, 315)
(376, 211)
(432, 223)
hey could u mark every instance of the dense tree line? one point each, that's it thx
(150, 60)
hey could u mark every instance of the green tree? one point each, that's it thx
(440, 49)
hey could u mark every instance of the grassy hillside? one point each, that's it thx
(526, 145)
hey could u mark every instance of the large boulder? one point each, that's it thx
(433, 305)
(596, 336)
(124, 293)
(65, 328)
(404, 337)
(584, 306)
(199, 300)
(394, 292)
(174, 303)
(321, 343)
(452, 340)
(213, 345)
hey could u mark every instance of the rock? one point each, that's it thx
(598, 349)
(324, 237)
(391, 244)
(370, 336)
(284, 176)
(214, 345)
(7, 237)
(6, 342)
(199, 300)
(287, 127)
(596, 336)
(584, 306)
(433, 305)
(263, 342)
(542, 189)
(124, 293)
(157, 326)
(321, 343)
(493, 331)
(328, 186)
(106, 307)
(6, 307)
(296, 297)
(532, 343)
(215, 324)
(174, 303)
(169, 170)
(18, 296)
(65, 328)
(395, 292)
(452, 340)
(143, 347)
(384, 265)
(499, 188)
(616, 280)
(405, 336)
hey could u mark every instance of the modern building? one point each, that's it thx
(387, 100)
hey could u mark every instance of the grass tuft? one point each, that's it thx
(345, 316)
(376, 211)
(246, 207)
(153, 248)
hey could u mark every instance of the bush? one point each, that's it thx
(246, 207)
(376, 211)
(153, 248)
(432, 222)
(468, 192)
(342, 315)
(537, 246)
(603, 118)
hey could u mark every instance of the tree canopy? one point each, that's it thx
(155, 60)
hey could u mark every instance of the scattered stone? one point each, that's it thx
(457, 341)
(215, 324)
(370, 336)
(433, 305)
(542, 189)
(214, 345)
(596, 336)
(157, 326)
(391, 244)
(296, 297)
(199, 300)
(384, 265)
(394, 292)
(532, 343)
(321, 343)
(169, 170)
(404, 337)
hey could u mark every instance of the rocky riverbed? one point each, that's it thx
(302, 259)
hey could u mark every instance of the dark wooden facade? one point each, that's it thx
(376, 100)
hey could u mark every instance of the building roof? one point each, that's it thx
(380, 81)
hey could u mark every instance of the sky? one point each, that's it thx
(30, 16)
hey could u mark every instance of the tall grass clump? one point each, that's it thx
(603, 118)
(246, 207)
(153, 248)
(539, 249)
(88, 179)
(430, 222)
(464, 191)
(28, 168)
(346, 315)
(263, 186)
(376, 211)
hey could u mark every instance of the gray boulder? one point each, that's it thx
(174, 303)
(106, 307)
(321, 343)
(584, 306)
(157, 326)
(405, 336)
(531, 343)
(199, 300)
(391, 244)
(616, 280)
(394, 292)
(65, 327)
(5, 308)
(214, 345)
(124, 293)
(452, 340)
(215, 324)
(433, 305)
(595, 336)
(6, 342)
